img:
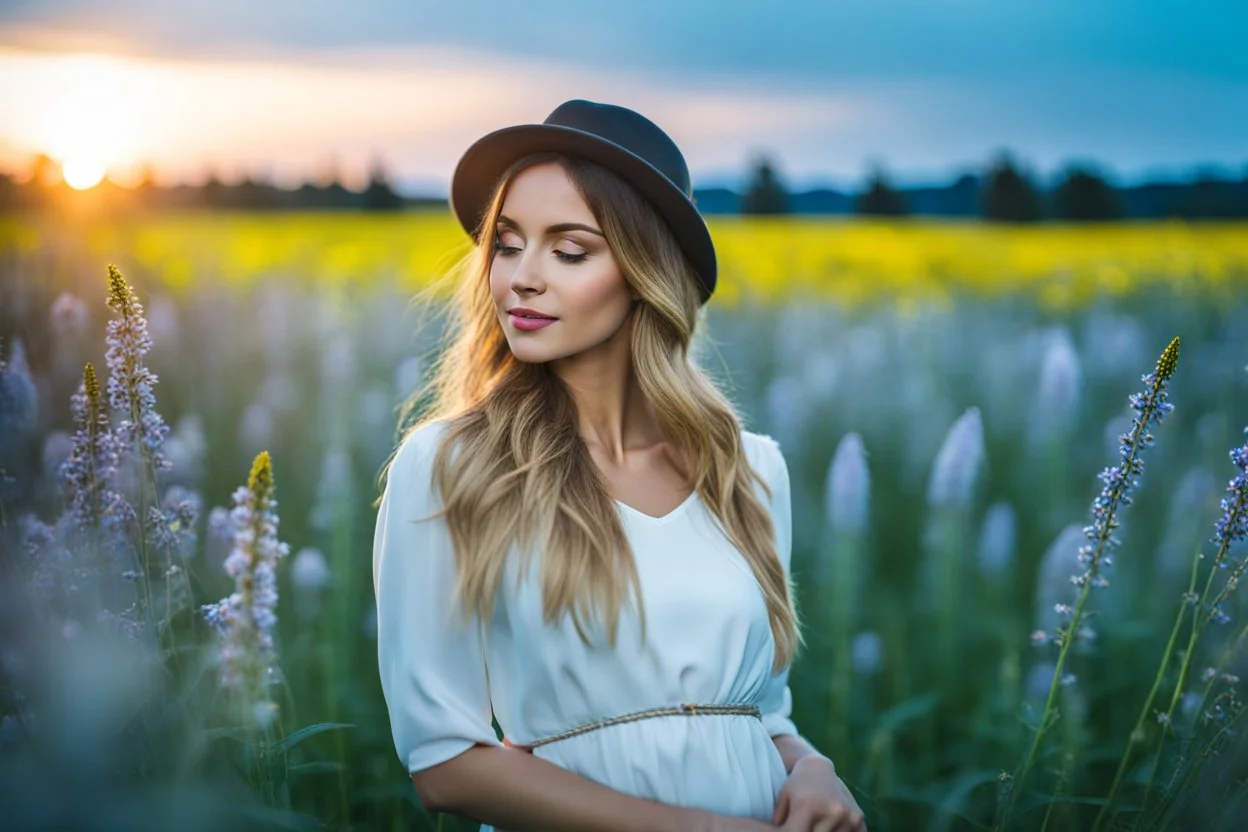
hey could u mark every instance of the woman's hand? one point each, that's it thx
(815, 800)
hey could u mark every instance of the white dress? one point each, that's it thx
(710, 642)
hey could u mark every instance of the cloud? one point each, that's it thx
(823, 87)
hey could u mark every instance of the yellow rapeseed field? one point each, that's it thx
(852, 260)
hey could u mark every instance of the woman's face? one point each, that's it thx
(551, 257)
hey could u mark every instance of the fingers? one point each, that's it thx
(849, 820)
(838, 818)
(782, 809)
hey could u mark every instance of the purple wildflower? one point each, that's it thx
(848, 488)
(1121, 480)
(245, 619)
(69, 316)
(19, 409)
(172, 526)
(958, 462)
(998, 537)
(94, 456)
(19, 400)
(1057, 396)
(1231, 527)
(130, 382)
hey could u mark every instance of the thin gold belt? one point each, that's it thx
(684, 709)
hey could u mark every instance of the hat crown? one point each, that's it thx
(630, 130)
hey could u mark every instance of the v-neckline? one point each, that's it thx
(671, 515)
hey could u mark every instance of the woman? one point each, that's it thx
(570, 432)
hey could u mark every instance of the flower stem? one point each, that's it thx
(1198, 625)
(1194, 769)
(1137, 733)
(1116, 489)
(1045, 720)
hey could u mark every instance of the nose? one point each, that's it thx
(526, 278)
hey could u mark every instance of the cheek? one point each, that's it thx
(603, 293)
(499, 281)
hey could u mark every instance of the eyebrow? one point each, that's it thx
(554, 229)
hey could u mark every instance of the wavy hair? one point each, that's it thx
(512, 466)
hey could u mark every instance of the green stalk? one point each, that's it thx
(1045, 719)
(1206, 752)
(1137, 733)
(1194, 769)
(1162, 374)
(1198, 626)
(844, 581)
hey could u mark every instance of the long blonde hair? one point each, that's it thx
(521, 472)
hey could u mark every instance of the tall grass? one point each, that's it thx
(941, 451)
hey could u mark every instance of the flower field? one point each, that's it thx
(1020, 485)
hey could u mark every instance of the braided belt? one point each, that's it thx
(684, 709)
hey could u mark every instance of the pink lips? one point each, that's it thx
(530, 324)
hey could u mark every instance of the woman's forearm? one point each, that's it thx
(518, 792)
(793, 747)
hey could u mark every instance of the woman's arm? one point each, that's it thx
(516, 791)
(793, 747)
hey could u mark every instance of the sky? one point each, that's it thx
(299, 89)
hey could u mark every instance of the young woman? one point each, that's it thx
(579, 537)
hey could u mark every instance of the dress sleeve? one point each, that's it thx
(433, 672)
(777, 701)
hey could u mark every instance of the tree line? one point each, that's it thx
(1004, 191)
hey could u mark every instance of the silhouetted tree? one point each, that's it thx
(765, 194)
(8, 192)
(379, 196)
(1084, 195)
(214, 193)
(1009, 195)
(147, 178)
(880, 198)
(1209, 196)
(44, 170)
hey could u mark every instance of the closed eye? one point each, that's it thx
(507, 251)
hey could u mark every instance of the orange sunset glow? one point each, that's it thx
(102, 113)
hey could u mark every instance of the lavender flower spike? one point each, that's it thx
(246, 618)
(958, 462)
(93, 458)
(1232, 526)
(130, 382)
(1120, 481)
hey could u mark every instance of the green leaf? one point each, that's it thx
(227, 732)
(904, 712)
(955, 794)
(317, 767)
(291, 740)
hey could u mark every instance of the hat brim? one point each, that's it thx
(481, 165)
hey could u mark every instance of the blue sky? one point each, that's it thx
(928, 88)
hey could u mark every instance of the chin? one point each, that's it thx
(528, 355)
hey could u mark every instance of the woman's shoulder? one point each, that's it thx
(423, 438)
(413, 458)
(761, 450)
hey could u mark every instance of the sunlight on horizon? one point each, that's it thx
(110, 115)
(81, 174)
(288, 119)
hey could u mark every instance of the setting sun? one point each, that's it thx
(82, 173)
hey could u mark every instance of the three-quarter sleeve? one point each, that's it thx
(777, 700)
(433, 672)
